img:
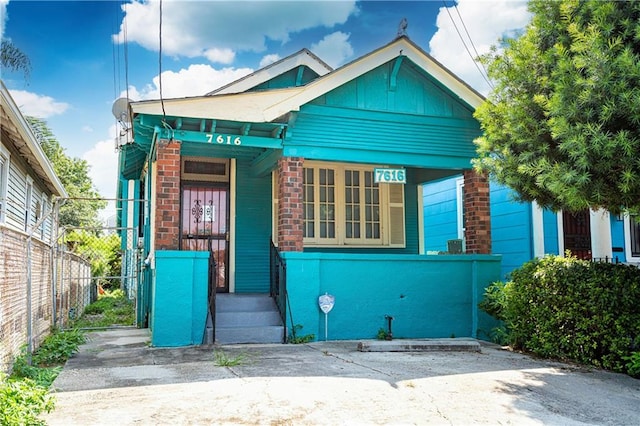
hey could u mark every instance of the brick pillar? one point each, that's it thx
(476, 213)
(167, 187)
(290, 193)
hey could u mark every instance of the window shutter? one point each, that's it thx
(396, 215)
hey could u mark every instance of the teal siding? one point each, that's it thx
(440, 214)
(288, 79)
(253, 230)
(339, 134)
(415, 92)
(511, 228)
(550, 225)
(428, 296)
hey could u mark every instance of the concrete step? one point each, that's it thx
(422, 345)
(247, 319)
(244, 302)
(237, 335)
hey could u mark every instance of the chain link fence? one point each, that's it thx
(90, 261)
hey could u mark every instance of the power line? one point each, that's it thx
(164, 114)
(472, 44)
(465, 44)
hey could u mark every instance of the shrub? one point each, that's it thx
(571, 309)
(21, 401)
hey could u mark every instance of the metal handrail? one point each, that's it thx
(278, 287)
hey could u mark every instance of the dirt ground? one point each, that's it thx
(117, 379)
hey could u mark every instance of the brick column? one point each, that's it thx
(476, 213)
(290, 214)
(167, 187)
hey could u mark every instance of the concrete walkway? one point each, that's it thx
(117, 379)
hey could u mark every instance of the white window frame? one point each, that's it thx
(627, 240)
(5, 159)
(460, 207)
(340, 240)
(28, 202)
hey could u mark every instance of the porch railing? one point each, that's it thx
(278, 289)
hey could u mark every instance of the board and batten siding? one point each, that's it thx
(253, 230)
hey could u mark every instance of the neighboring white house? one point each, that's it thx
(28, 186)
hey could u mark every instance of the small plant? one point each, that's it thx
(111, 308)
(633, 364)
(295, 339)
(382, 334)
(22, 400)
(222, 360)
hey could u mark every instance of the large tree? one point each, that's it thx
(562, 124)
(13, 59)
(81, 210)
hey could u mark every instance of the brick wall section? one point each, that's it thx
(13, 294)
(477, 213)
(167, 195)
(290, 217)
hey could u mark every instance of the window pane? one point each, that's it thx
(372, 207)
(634, 223)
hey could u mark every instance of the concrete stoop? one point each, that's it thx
(422, 345)
(247, 318)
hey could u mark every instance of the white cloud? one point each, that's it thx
(103, 162)
(196, 80)
(334, 48)
(87, 129)
(222, 56)
(269, 59)
(194, 29)
(3, 16)
(40, 106)
(486, 22)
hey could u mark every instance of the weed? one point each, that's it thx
(111, 308)
(223, 360)
(382, 334)
(22, 400)
(295, 339)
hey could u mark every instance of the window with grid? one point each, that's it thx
(344, 206)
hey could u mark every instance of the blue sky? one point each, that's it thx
(81, 65)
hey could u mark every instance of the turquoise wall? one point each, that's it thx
(617, 238)
(428, 296)
(179, 298)
(253, 230)
(550, 225)
(291, 78)
(511, 228)
(440, 214)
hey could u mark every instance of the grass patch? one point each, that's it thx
(111, 308)
(25, 394)
(221, 359)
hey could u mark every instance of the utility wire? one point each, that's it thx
(126, 49)
(473, 45)
(164, 114)
(465, 44)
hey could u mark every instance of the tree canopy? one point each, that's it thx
(74, 176)
(562, 124)
(13, 59)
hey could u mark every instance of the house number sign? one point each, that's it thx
(224, 139)
(389, 176)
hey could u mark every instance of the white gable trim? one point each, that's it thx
(303, 57)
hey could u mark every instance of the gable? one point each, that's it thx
(293, 78)
(397, 86)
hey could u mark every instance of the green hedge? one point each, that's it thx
(571, 309)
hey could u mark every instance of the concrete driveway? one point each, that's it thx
(116, 379)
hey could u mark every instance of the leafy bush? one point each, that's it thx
(571, 309)
(111, 308)
(22, 400)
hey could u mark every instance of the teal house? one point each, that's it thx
(300, 181)
(522, 231)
